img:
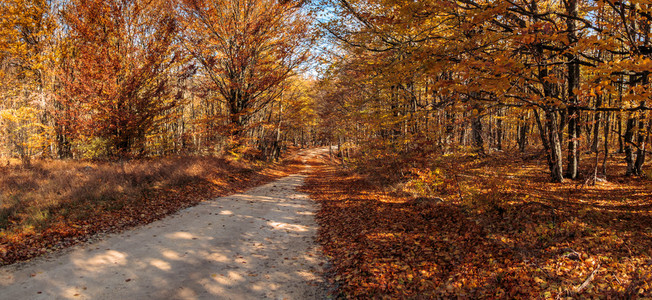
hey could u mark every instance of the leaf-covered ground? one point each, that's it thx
(502, 231)
(56, 204)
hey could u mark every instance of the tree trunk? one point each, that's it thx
(619, 118)
(573, 85)
(573, 143)
(551, 144)
(64, 149)
(606, 147)
(476, 127)
(555, 147)
(643, 132)
(643, 137)
(522, 133)
(596, 125)
(607, 125)
(629, 142)
(499, 130)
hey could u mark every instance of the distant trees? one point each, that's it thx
(246, 49)
(23, 132)
(26, 53)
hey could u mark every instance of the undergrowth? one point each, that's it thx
(57, 203)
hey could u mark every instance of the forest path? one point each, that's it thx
(255, 245)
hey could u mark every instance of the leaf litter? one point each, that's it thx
(502, 231)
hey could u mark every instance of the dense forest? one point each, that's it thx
(101, 79)
(123, 78)
(519, 123)
(564, 76)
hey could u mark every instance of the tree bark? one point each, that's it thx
(555, 147)
(629, 142)
(596, 125)
(607, 125)
(573, 85)
(551, 144)
(478, 141)
(522, 133)
(499, 130)
(643, 137)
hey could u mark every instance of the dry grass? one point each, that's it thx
(29, 195)
(56, 203)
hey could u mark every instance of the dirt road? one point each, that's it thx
(255, 245)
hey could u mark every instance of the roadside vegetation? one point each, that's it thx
(54, 204)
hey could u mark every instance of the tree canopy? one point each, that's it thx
(124, 78)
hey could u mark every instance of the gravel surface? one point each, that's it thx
(255, 245)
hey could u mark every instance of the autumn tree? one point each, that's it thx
(25, 134)
(26, 52)
(246, 49)
(115, 73)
